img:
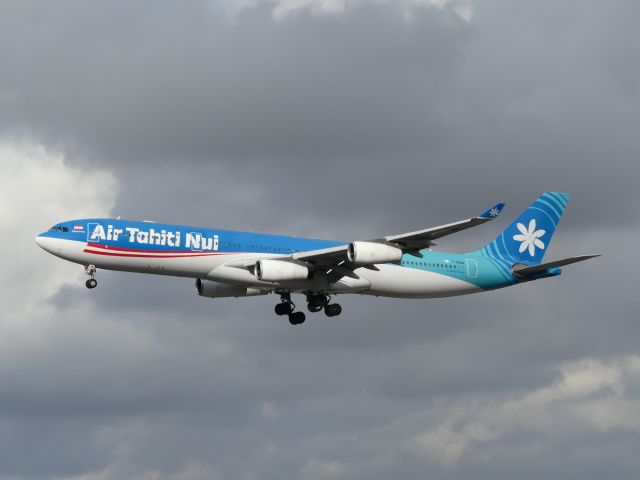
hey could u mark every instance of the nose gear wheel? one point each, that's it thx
(91, 271)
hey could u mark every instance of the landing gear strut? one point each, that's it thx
(91, 271)
(286, 306)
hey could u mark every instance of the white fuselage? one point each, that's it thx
(381, 280)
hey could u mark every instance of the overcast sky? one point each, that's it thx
(338, 119)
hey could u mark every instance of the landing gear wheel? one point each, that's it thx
(91, 271)
(332, 310)
(317, 300)
(296, 318)
(313, 308)
(283, 308)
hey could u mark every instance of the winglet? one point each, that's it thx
(493, 212)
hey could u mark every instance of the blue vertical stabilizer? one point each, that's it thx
(527, 239)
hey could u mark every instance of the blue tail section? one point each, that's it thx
(527, 239)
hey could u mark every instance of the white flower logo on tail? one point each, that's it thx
(530, 237)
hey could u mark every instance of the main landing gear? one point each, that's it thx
(91, 271)
(319, 301)
(315, 303)
(286, 306)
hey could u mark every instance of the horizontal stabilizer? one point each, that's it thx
(524, 271)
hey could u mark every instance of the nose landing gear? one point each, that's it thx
(91, 271)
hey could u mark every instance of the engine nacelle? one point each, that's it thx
(367, 253)
(279, 271)
(207, 288)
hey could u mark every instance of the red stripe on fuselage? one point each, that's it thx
(132, 254)
(135, 250)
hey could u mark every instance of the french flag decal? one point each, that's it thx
(78, 228)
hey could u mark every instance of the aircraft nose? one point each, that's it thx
(45, 243)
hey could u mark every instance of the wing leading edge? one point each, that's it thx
(424, 238)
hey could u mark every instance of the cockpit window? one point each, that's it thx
(59, 228)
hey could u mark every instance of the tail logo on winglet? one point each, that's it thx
(530, 237)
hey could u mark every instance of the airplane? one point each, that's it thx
(229, 263)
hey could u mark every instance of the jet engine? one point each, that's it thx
(280, 271)
(207, 288)
(367, 253)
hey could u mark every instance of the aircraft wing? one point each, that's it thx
(424, 238)
(408, 242)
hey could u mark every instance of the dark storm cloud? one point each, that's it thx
(346, 126)
(295, 108)
(172, 82)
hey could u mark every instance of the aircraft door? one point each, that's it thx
(472, 268)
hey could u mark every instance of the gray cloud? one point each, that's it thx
(344, 125)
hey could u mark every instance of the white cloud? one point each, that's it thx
(37, 189)
(589, 394)
(192, 471)
(284, 8)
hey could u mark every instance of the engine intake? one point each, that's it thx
(207, 288)
(280, 271)
(367, 253)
